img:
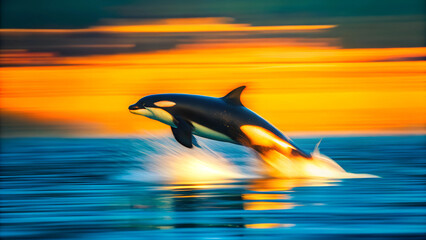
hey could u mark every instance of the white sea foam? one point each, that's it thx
(164, 160)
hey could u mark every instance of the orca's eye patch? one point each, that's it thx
(164, 104)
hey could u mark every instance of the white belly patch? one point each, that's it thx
(206, 132)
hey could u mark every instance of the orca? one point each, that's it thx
(223, 119)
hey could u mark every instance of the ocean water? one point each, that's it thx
(152, 188)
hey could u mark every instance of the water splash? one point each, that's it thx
(163, 160)
(278, 165)
(168, 162)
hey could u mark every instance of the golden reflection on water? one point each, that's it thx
(269, 225)
(259, 200)
(268, 205)
(276, 184)
(258, 194)
(204, 200)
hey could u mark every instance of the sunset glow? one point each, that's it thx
(298, 84)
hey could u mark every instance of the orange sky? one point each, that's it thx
(297, 84)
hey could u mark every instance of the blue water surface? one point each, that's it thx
(53, 188)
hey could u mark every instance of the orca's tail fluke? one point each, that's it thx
(316, 149)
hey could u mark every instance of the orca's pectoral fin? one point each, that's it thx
(195, 142)
(183, 132)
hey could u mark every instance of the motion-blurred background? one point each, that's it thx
(71, 68)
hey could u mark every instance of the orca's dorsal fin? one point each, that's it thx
(234, 96)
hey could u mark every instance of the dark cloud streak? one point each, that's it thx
(16, 124)
(83, 44)
(361, 24)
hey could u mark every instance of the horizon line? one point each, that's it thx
(293, 134)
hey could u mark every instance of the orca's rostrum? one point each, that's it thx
(223, 119)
